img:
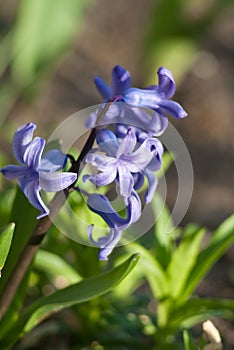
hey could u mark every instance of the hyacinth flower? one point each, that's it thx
(101, 206)
(123, 112)
(35, 172)
(155, 98)
(122, 160)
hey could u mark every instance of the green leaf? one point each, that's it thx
(221, 240)
(5, 243)
(188, 341)
(199, 309)
(55, 266)
(24, 217)
(183, 261)
(164, 241)
(78, 293)
(44, 30)
(153, 271)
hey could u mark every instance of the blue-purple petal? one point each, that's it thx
(166, 83)
(53, 160)
(105, 251)
(103, 88)
(152, 185)
(31, 190)
(121, 80)
(173, 108)
(107, 142)
(33, 152)
(128, 143)
(22, 138)
(57, 181)
(100, 205)
(158, 123)
(13, 172)
(126, 181)
(133, 208)
(106, 243)
(102, 179)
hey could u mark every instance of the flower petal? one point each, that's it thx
(138, 180)
(100, 161)
(173, 108)
(133, 208)
(142, 98)
(115, 236)
(100, 205)
(31, 190)
(102, 179)
(158, 123)
(13, 172)
(128, 143)
(121, 80)
(152, 185)
(166, 86)
(33, 152)
(107, 142)
(23, 136)
(103, 88)
(53, 160)
(106, 243)
(126, 181)
(57, 181)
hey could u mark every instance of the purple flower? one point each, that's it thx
(121, 81)
(121, 112)
(123, 160)
(36, 172)
(156, 97)
(101, 205)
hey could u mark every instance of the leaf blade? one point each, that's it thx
(5, 243)
(80, 292)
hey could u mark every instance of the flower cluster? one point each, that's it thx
(127, 155)
(128, 151)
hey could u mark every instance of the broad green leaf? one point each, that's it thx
(220, 241)
(55, 266)
(5, 243)
(130, 284)
(153, 271)
(164, 241)
(78, 293)
(182, 262)
(199, 309)
(44, 30)
(24, 216)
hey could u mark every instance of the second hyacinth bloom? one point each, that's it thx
(35, 172)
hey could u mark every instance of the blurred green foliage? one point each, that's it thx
(43, 31)
(176, 28)
(32, 45)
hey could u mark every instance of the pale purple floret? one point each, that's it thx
(101, 205)
(35, 172)
(123, 159)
